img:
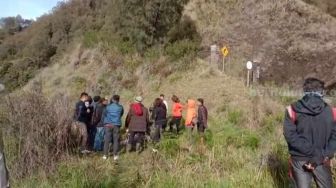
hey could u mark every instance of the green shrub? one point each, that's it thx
(146, 23)
(271, 122)
(169, 146)
(153, 53)
(78, 83)
(181, 49)
(209, 140)
(235, 117)
(18, 73)
(125, 47)
(229, 134)
(251, 140)
(90, 39)
(243, 139)
(186, 29)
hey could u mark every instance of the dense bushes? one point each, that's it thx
(35, 130)
(145, 23)
(131, 27)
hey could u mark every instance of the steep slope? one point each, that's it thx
(328, 6)
(290, 39)
(244, 144)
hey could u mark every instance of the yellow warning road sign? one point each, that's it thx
(225, 51)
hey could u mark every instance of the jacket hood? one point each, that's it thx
(310, 104)
(191, 103)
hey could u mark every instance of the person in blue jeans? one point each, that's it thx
(98, 117)
(112, 123)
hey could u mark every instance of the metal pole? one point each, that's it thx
(223, 64)
(248, 78)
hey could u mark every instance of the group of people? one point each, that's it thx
(99, 122)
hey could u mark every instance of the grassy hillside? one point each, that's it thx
(86, 46)
(244, 145)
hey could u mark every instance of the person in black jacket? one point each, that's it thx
(81, 118)
(310, 132)
(159, 116)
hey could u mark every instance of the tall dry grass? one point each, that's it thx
(36, 131)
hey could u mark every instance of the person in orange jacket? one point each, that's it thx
(191, 119)
(176, 114)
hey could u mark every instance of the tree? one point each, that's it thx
(145, 22)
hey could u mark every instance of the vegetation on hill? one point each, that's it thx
(281, 35)
(146, 26)
(150, 47)
(244, 145)
(328, 6)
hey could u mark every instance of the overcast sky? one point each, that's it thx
(28, 9)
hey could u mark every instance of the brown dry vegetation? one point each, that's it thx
(290, 38)
(36, 131)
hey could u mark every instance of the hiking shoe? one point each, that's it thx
(116, 157)
(104, 157)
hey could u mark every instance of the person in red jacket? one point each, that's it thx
(137, 124)
(176, 114)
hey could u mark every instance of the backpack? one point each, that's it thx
(293, 117)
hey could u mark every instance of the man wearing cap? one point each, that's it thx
(137, 124)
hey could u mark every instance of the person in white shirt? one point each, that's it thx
(166, 104)
(164, 101)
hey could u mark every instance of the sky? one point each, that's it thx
(28, 9)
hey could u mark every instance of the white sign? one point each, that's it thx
(249, 65)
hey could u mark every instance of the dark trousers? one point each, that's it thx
(177, 122)
(92, 130)
(136, 138)
(111, 132)
(303, 179)
(200, 127)
(158, 132)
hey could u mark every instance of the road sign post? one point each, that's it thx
(249, 66)
(225, 53)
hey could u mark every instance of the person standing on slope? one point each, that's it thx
(176, 114)
(162, 97)
(137, 124)
(98, 121)
(191, 119)
(81, 117)
(202, 117)
(310, 132)
(159, 116)
(92, 124)
(112, 123)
